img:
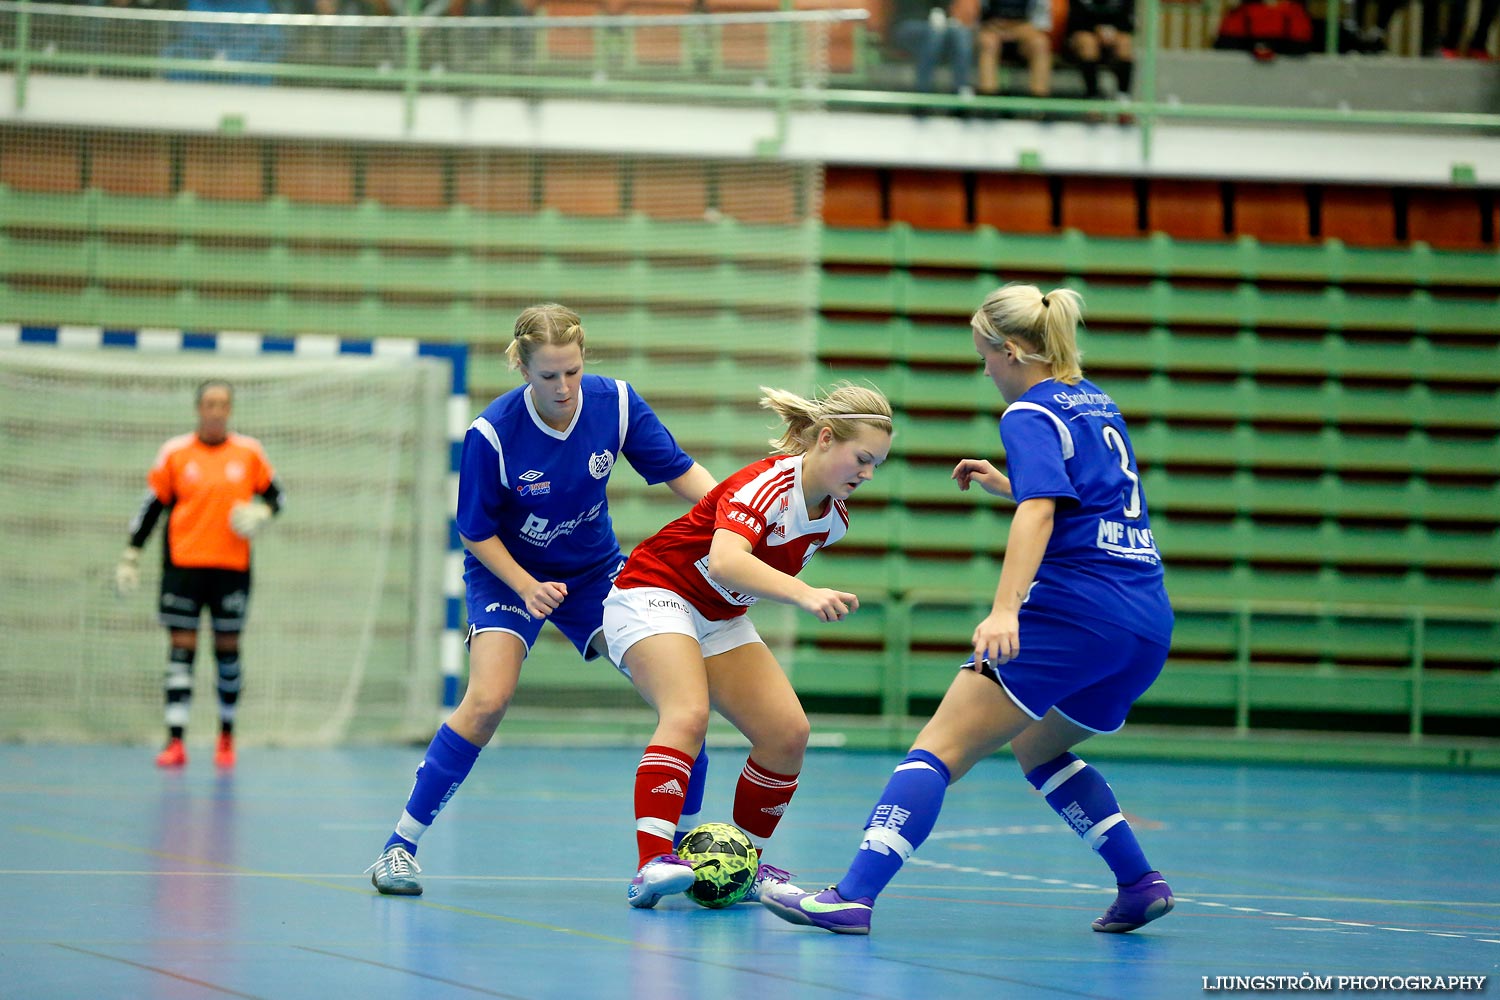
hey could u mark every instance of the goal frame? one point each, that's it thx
(309, 346)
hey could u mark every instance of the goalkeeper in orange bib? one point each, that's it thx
(219, 491)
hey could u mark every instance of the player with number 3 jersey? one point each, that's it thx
(1078, 629)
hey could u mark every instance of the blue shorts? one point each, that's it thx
(1090, 671)
(494, 607)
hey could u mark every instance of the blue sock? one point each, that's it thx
(692, 803)
(1081, 796)
(448, 761)
(898, 824)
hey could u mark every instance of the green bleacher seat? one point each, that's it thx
(948, 436)
(866, 340)
(978, 529)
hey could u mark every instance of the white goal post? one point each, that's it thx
(356, 604)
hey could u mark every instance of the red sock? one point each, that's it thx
(661, 783)
(760, 798)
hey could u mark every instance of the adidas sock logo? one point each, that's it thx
(669, 787)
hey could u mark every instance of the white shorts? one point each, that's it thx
(640, 612)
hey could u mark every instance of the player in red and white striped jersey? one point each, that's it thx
(675, 620)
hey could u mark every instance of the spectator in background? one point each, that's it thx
(927, 30)
(1100, 29)
(1027, 23)
(1440, 35)
(235, 43)
(1266, 29)
(1478, 46)
(491, 48)
(329, 44)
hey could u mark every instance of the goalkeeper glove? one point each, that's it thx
(128, 571)
(248, 518)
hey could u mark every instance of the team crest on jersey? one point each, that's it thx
(600, 463)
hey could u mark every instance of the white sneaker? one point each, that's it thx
(395, 873)
(661, 876)
(766, 877)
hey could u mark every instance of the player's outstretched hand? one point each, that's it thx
(543, 597)
(248, 518)
(128, 571)
(997, 639)
(828, 605)
(989, 478)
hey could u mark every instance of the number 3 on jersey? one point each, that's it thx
(1115, 441)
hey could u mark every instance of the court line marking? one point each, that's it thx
(158, 970)
(222, 870)
(1016, 829)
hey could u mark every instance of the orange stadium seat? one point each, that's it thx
(494, 182)
(1101, 206)
(744, 46)
(577, 185)
(1448, 218)
(1185, 209)
(224, 169)
(315, 173)
(38, 160)
(658, 45)
(929, 199)
(404, 178)
(842, 43)
(132, 164)
(1014, 203)
(1272, 212)
(1360, 216)
(852, 197)
(572, 43)
(759, 193)
(669, 189)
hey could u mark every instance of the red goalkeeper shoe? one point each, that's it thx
(224, 753)
(175, 755)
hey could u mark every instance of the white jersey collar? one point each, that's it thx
(542, 425)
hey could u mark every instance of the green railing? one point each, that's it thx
(1239, 658)
(784, 61)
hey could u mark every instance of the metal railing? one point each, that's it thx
(789, 60)
(1242, 681)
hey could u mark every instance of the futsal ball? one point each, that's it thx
(724, 861)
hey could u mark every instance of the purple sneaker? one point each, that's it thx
(765, 877)
(826, 909)
(661, 876)
(1136, 905)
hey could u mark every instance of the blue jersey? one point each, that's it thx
(1069, 442)
(542, 491)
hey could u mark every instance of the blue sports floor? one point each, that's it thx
(120, 881)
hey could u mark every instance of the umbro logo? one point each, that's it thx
(670, 787)
(532, 476)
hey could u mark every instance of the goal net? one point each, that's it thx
(346, 614)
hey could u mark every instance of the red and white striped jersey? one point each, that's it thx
(763, 502)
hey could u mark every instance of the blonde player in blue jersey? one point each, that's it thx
(1078, 630)
(534, 519)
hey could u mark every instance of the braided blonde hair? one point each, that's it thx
(844, 409)
(546, 325)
